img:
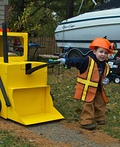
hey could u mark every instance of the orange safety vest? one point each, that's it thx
(87, 82)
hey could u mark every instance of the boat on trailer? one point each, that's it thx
(75, 34)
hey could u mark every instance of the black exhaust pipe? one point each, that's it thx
(5, 42)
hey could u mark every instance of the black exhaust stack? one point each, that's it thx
(5, 42)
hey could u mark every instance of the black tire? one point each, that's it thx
(74, 53)
(117, 80)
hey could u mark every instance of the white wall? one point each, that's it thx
(3, 10)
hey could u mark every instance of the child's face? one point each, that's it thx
(101, 54)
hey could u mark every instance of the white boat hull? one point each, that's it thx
(79, 31)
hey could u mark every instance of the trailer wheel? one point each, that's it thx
(74, 53)
(117, 80)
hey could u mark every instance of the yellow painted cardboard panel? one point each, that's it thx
(14, 75)
(32, 105)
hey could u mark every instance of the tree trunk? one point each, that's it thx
(20, 7)
(69, 8)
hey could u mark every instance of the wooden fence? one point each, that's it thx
(48, 43)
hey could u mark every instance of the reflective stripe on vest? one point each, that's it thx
(107, 69)
(87, 81)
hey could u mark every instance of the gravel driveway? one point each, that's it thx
(61, 133)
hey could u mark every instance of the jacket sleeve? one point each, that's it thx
(80, 63)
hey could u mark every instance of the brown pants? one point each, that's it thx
(94, 110)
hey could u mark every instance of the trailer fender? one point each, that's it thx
(77, 52)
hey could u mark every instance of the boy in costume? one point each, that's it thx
(92, 74)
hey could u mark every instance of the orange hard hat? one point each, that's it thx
(103, 43)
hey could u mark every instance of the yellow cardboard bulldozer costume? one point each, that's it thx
(24, 96)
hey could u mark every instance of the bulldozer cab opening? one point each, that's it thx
(17, 46)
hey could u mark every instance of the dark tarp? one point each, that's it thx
(109, 5)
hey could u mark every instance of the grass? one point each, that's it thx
(7, 139)
(63, 88)
(113, 110)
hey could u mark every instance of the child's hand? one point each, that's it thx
(105, 81)
(62, 61)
